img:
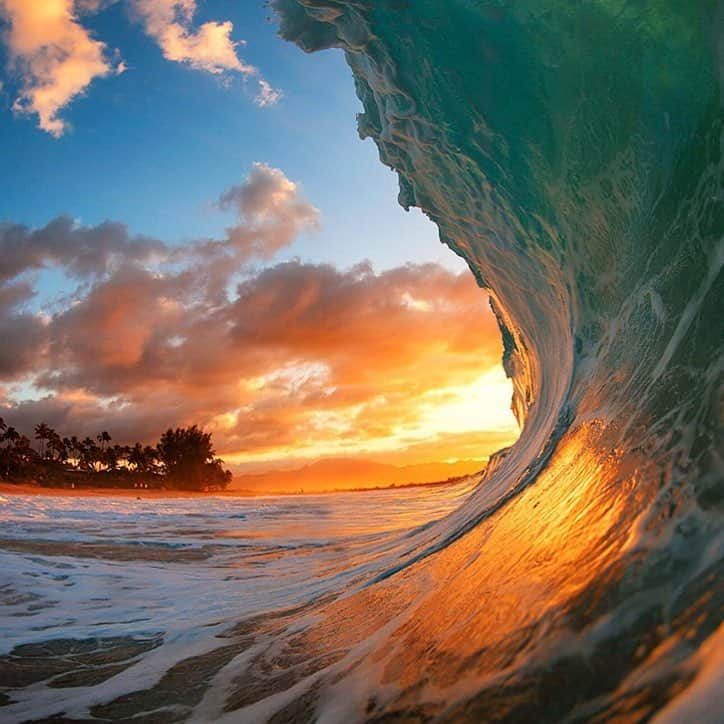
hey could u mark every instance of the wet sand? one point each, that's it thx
(107, 551)
(186, 605)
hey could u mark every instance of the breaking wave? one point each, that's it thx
(571, 153)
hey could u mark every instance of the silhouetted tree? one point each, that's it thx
(56, 448)
(15, 453)
(11, 436)
(187, 458)
(90, 455)
(114, 455)
(75, 449)
(152, 461)
(42, 434)
(138, 458)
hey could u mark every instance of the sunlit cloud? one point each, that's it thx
(208, 47)
(54, 56)
(305, 361)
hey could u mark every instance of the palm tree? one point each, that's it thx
(6, 452)
(24, 451)
(16, 453)
(56, 448)
(123, 452)
(151, 457)
(68, 447)
(11, 436)
(137, 458)
(104, 438)
(109, 458)
(89, 454)
(43, 433)
(75, 448)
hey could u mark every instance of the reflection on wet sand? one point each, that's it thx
(107, 551)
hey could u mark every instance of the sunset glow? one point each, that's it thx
(273, 318)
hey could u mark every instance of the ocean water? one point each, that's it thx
(572, 154)
(100, 597)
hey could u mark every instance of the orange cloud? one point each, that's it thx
(305, 361)
(55, 56)
(295, 361)
(208, 48)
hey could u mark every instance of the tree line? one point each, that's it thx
(183, 458)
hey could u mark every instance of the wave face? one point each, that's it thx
(571, 153)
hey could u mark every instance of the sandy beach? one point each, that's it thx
(26, 489)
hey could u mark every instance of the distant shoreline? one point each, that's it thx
(377, 488)
(7, 488)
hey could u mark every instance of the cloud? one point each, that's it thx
(304, 360)
(293, 360)
(267, 95)
(270, 210)
(131, 283)
(209, 47)
(81, 250)
(55, 57)
(23, 338)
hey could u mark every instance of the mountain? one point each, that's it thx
(349, 473)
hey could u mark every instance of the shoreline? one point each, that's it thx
(7, 488)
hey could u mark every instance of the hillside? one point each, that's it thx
(346, 474)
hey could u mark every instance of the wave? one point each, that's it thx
(571, 153)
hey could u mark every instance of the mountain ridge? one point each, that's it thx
(352, 473)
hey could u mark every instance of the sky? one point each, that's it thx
(191, 231)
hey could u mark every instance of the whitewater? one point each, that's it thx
(571, 153)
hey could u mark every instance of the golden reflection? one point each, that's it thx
(481, 601)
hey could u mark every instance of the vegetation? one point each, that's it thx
(184, 459)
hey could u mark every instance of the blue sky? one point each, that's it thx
(155, 145)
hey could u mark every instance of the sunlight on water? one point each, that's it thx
(153, 581)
